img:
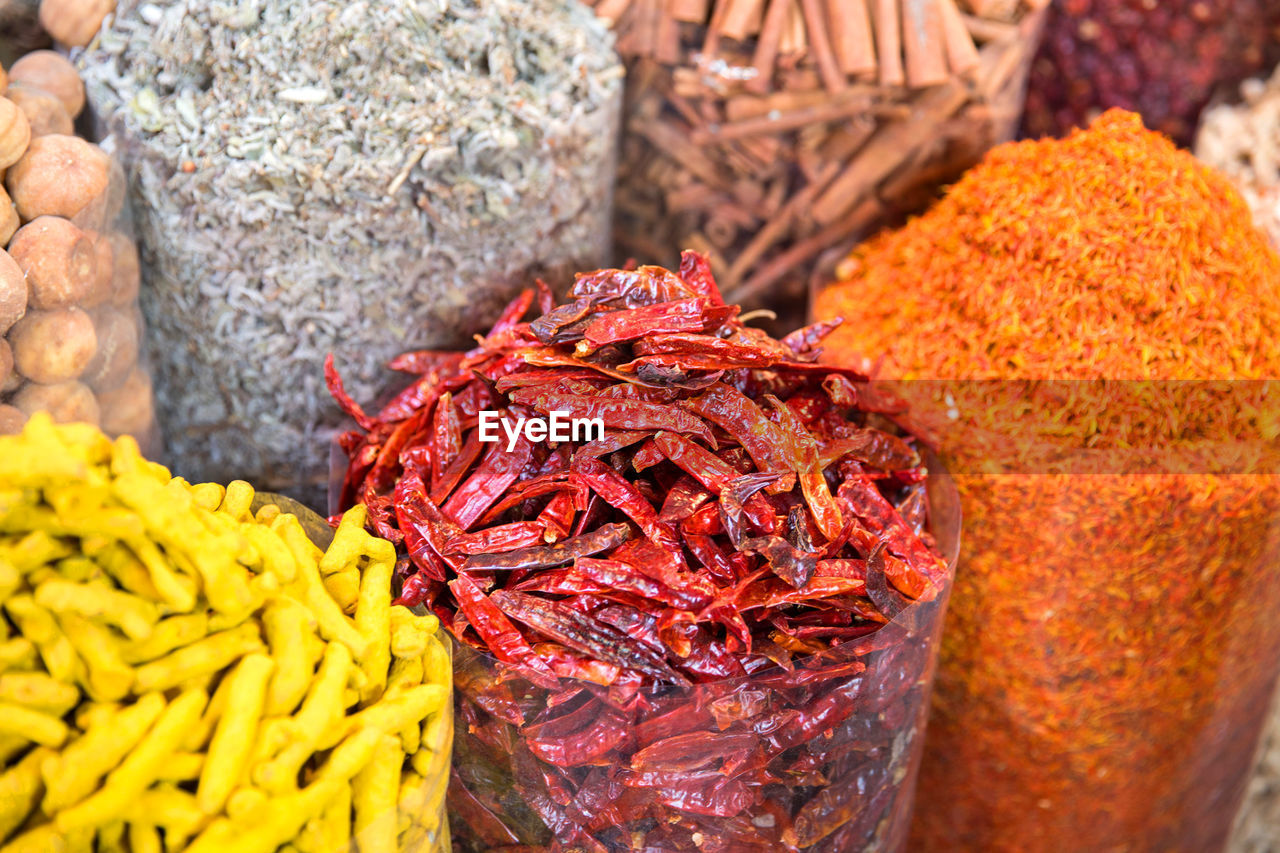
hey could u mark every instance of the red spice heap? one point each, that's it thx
(1109, 657)
(691, 616)
(1161, 59)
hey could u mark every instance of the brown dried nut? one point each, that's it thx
(9, 221)
(12, 382)
(44, 110)
(74, 22)
(53, 72)
(53, 346)
(12, 420)
(129, 409)
(126, 275)
(15, 133)
(117, 331)
(59, 260)
(6, 359)
(104, 263)
(66, 402)
(13, 292)
(58, 175)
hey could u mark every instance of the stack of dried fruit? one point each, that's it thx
(711, 626)
(177, 670)
(69, 278)
(74, 22)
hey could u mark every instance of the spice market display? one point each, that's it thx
(1104, 673)
(609, 395)
(711, 626)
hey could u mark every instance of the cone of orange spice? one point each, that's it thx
(1102, 323)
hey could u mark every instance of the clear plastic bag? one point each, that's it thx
(821, 756)
(71, 333)
(1110, 690)
(1110, 657)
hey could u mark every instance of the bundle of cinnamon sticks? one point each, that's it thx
(764, 132)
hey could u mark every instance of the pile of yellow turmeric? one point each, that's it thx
(179, 672)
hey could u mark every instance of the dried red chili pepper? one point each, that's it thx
(671, 636)
(684, 315)
(616, 414)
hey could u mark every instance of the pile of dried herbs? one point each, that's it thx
(1103, 320)
(334, 176)
(710, 628)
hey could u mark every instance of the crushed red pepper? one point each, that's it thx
(1088, 307)
(680, 636)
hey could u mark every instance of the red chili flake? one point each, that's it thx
(685, 635)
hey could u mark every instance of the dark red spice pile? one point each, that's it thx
(1161, 59)
(687, 619)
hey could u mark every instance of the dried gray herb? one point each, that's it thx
(321, 175)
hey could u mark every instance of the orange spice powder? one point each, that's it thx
(1112, 645)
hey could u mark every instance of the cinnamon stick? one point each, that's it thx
(775, 18)
(778, 122)
(764, 150)
(849, 25)
(741, 18)
(775, 196)
(891, 145)
(994, 9)
(984, 29)
(888, 42)
(689, 11)
(695, 196)
(644, 32)
(793, 40)
(999, 67)
(962, 55)
(803, 79)
(691, 83)
(681, 105)
(923, 40)
(734, 214)
(666, 47)
(861, 218)
(847, 138)
(750, 106)
(816, 26)
(675, 144)
(777, 228)
(711, 40)
(720, 232)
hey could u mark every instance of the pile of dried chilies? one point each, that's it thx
(712, 629)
